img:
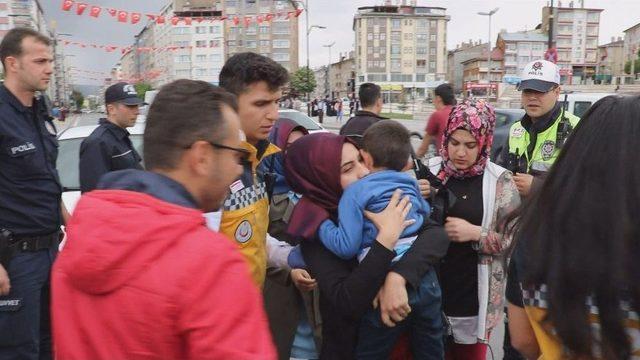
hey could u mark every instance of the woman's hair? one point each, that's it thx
(581, 233)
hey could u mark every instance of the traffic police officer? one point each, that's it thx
(109, 148)
(30, 193)
(535, 141)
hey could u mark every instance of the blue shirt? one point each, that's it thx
(30, 190)
(354, 233)
(107, 149)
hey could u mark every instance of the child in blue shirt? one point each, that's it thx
(386, 150)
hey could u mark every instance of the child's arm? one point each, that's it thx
(345, 239)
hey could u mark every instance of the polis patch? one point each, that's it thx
(244, 231)
(517, 132)
(547, 150)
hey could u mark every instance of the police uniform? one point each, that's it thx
(30, 195)
(109, 148)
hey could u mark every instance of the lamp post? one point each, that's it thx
(329, 67)
(305, 6)
(489, 14)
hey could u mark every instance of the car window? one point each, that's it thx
(301, 119)
(501, 119)
(69, 158)
(581, 107)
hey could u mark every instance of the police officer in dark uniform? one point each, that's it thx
(30, 196)
(109, 148)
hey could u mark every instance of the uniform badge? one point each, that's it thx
(547, 150)
(244, 232)
(517, 132)
(236, 186)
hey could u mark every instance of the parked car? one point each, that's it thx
(504, 119)
(69, 141)
(579, 103)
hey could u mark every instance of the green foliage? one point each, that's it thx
(303, 81)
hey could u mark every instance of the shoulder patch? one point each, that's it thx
(517, 132)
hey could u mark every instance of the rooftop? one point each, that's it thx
(524, 36)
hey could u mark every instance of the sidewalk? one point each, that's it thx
(331, 123)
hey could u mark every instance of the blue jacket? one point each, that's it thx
(355, 233)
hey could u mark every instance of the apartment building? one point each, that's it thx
(520, 48)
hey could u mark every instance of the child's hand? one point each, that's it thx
(302, 280)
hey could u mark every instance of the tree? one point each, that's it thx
(142, 88)
(627, 65)
(77, 98)
(303, 81)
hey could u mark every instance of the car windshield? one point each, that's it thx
(68, 159)
(301, 119)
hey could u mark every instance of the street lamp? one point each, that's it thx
(329, 68)
(305, 6)
(489, 14)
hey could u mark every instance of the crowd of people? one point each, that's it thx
(242, 236)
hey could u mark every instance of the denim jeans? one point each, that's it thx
(24, 313)
(424, 324)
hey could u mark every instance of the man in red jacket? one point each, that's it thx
(141, 276)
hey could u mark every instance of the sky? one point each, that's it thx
(336, 16)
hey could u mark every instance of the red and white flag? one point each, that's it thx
(95, 11)
(67, 5)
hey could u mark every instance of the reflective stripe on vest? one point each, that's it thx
(545, 152)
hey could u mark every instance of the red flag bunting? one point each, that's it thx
(151, 17)
(199, 19)
(160, 20)
(259, 19)
(247, 21)
(135, 17)
(112, 12)
(95, 11)
(66, 42)
(236, 20)
(269, 17)
(80, 8)
(298, 12)
(174, 20)
(123, 16)
(223, 18)
(187, 20)
(67, 5)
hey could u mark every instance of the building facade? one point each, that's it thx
(611, 61)
(631, 43)
(478, 76)
(520, 48)
(402, 48)
(455, 58)
(575, 35)
(341, 72)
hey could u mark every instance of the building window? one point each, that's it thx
(265, 43)
(432, 51)
(593, 17)
(407, 63)
(383, 36)
(369, 36)
(395, 65)
(214, 43)
(201, 72)
(251, 44)
(408, 36)
(231, 43)
(214, 29)
(264, 29)
(421, 50)
(376, 77)
(201, 43)
(183, 73)
(181, 30)
(382, 63)
(523, 46)
(511, 46)
(201, 58)
(215, 57)
(432, 66)
(370, 64)
(281, 44)
(281, 28)
(231, 3)
(396, 23)
(395, 49)
(382, 50)
(182, 59)
(523, 59)
(422, 37)
(281, 56)
(536, 47)
(420, 78)
(422, 23)
(369, 50)
(201, 29)
(421, 63)
(434, 23)
(433, 37)
(252, 30)
(408, 50)
(361, 78)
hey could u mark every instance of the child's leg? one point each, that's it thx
(375, 339)
(427, 326)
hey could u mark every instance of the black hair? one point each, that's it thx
(244, 69)
(183, 112)
(389, 144)
(580, 235)
(11, 44)
(368, 94)
(445, 91)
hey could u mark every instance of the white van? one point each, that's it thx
(579, 103)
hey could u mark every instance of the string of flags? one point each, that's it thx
(125, 16)
(141, 49)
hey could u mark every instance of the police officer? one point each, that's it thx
(30, 193)
(109, 148)
(533, 146)
(535, 141)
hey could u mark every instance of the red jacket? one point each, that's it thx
(143, 278)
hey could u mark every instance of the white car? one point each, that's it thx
(69, 151)
(69, 141)
(579, 103)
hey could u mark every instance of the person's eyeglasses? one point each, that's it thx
(242, 154)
